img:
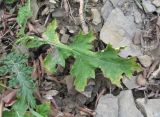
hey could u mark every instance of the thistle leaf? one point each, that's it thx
(107, 60)
(86, 61)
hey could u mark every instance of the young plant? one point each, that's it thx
(86, 61)
(24, 13)
(15, 65)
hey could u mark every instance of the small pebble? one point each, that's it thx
(156, 3)
(141, 80)
(145, 60)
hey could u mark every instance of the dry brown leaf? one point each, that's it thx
(10, 98)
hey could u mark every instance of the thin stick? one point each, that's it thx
(1, 108)
(2, 85)
(84, 26)
(86, 110)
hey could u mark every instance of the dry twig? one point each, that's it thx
(1, 108)
(84, 26)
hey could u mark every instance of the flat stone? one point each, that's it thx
(107, 106)
(151, 108)
(114, 2)
(127, 107)
(158, 10)
(148, 6)
(156, 3)
(106, 10)
(95, 1)
(96, 16)
(131, 50)
(64, 38)
(121, 106)
(50, 94)
(130, 83)
(118, 29)
(52, 1)
(145, 60)
(137, 15)
(137, 37)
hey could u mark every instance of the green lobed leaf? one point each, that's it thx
(24, 13)
(107, 60)
(113, 66)
(86, 61)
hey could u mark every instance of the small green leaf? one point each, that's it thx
(49, 63)
(30, 41)
(35, 113)
(10, 1)
(50, 34)
(20, 108)
(52, 59)
(82, 72)
(24, 13)
(9, 114)
(114, 66)
(82, 42)
(44, 109)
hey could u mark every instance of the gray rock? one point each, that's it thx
(151, 108)
(114, 2)
(148, 6)
(64, 38)
(137, 15)
(145, 60)
(95, 1)
(120, 106)
(118, 29)
(106, 10)
(104, 1)
(158, 10)
(107, 106)
(156, 3)
(130, 83)
(156, 53)
(137, 37)
(59, 13)
(96, 16)
(127, 107)
(131, 50)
